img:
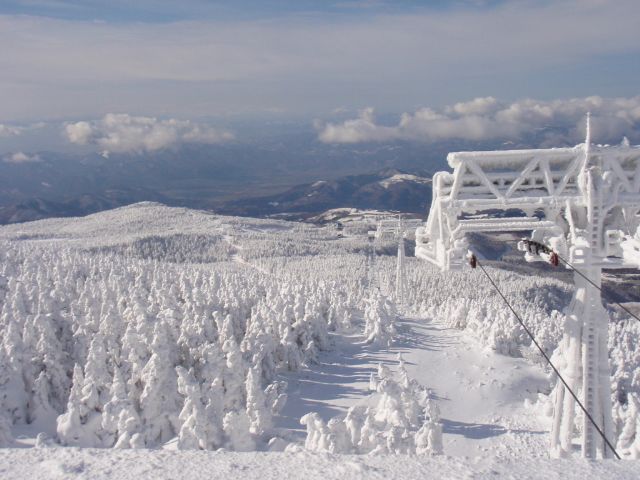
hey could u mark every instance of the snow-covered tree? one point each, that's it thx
(401, 418)
(379, 321)
(70, 428)
(237, 426)
(159, 403)
(193, 430)
(120, 419)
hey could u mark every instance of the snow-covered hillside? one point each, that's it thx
(167, 328)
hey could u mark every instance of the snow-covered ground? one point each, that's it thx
(481, 395)
(162, 464)
(159, 328)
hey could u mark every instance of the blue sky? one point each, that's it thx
(197, 60)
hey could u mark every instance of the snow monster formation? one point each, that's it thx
(399, 417)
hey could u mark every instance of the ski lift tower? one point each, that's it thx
(395, 229)
(584, 203)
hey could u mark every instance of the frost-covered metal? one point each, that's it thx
(584, 202)
(396, 229)
(400, 271)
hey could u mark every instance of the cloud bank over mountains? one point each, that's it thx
(483, 120)
(121, 132)
(540, 123)
(486, 118)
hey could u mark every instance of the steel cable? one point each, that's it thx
(545, 249)
(546, 357)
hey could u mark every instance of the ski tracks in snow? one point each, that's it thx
(481, 394)
(236, 257)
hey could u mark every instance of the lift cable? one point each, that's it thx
(543, 248)
(546, 357)
(598, 287)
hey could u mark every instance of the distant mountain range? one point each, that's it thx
(291, 176)
(388, 189)
(280, 176)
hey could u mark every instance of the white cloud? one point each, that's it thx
(477, 106)
(489, 119)
(361, 129)
(121, 132)
(204, 134)
(20, 157)
(10, 131)
(79, 132)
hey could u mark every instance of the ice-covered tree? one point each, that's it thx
(379, 322)
(13, 387)
(257, 409)
(40, 412)
(236, 425)
(401, 418)
(120, 420)
(52, 355)
(159, 402)
(193, 428)
(70, 428)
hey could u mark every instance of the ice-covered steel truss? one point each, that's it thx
(395, 228)
(583, 202)
(391, 228)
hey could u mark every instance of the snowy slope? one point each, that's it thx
(481, 395)
(214, 332)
